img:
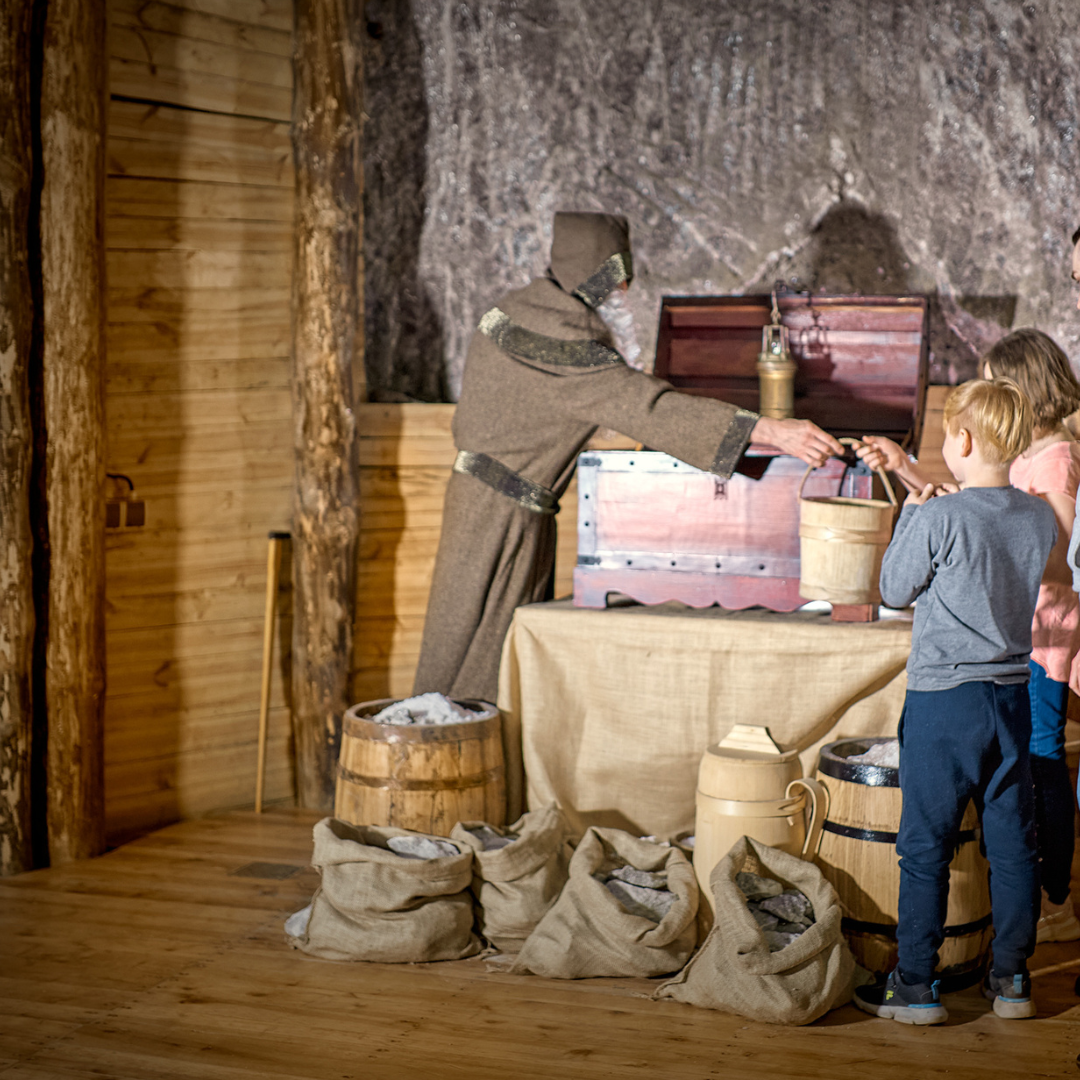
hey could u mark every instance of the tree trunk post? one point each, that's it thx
(16, 440)
(73, 92)
(327, 102)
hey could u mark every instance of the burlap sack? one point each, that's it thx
(375, 905)
(589, 933)
(734, 970)
(516, 885)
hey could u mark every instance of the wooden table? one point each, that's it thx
(611, 709)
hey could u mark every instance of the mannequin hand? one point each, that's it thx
(800, 438)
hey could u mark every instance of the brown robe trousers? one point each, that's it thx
(535, 417)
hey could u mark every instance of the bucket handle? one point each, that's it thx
(819, 808)
(880, 472)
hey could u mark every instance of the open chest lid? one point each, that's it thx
(862, 360)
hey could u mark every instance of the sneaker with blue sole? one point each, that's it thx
(908, 1003)
(1011, 995)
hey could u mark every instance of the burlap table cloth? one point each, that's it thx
(609, 711)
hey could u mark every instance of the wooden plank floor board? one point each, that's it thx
(157, 962)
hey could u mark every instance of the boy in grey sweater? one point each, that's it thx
(973, 557)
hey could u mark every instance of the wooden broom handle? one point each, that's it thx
(881, 472)
(273, 574)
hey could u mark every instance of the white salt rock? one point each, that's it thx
(491, 840)
(296, 924)
(425, 709)
(421, 847)
(886, 754)
(652, 904)
(644, 878)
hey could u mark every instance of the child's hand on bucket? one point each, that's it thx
(917, 498)
(878, 452)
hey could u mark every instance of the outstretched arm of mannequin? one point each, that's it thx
(800, 438)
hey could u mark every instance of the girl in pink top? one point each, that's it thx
(1049, 468)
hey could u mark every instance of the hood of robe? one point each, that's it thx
(581, 245)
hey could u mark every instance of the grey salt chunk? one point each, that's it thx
(420, 847)
(791, 906)
(756, 887)
(645, 878)
(790, 927)
(491, 840)
(764, 919)
(777, 940)
(651, 904)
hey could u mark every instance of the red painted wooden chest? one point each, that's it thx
(656, 529)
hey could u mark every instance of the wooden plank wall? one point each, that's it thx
(198, 238)
(933, 436)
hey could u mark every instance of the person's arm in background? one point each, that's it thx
(1073, 557)
(1059, 566)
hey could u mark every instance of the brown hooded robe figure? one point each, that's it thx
(540, 378)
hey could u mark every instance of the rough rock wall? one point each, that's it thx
(839, 145)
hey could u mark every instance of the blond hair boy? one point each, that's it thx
(973, 559)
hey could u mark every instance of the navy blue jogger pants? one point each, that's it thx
(969, 742)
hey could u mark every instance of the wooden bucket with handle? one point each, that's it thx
(841, 544)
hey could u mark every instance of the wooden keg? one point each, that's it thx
(744, 791)
(858, 855)
(425, 777)
(841, 543)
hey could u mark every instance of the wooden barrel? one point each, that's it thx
(858, 855)
(425, 777)
(841, 544)
(746, 793)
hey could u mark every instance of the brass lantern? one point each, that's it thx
(776, 370)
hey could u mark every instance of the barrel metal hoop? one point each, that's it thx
(857, 926)
(361, 727)
(867, 775)
(451, 783)
(879, 836)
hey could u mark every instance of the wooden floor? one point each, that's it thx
(166, 958)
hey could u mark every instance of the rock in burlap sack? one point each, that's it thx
(588, 933)
(515, 885)
(374, 904)
(734, 970)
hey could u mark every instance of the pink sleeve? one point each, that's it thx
(1057, 473)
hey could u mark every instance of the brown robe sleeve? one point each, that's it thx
(703, 432)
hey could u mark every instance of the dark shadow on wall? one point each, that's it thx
(856, 251)
(404, 346)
